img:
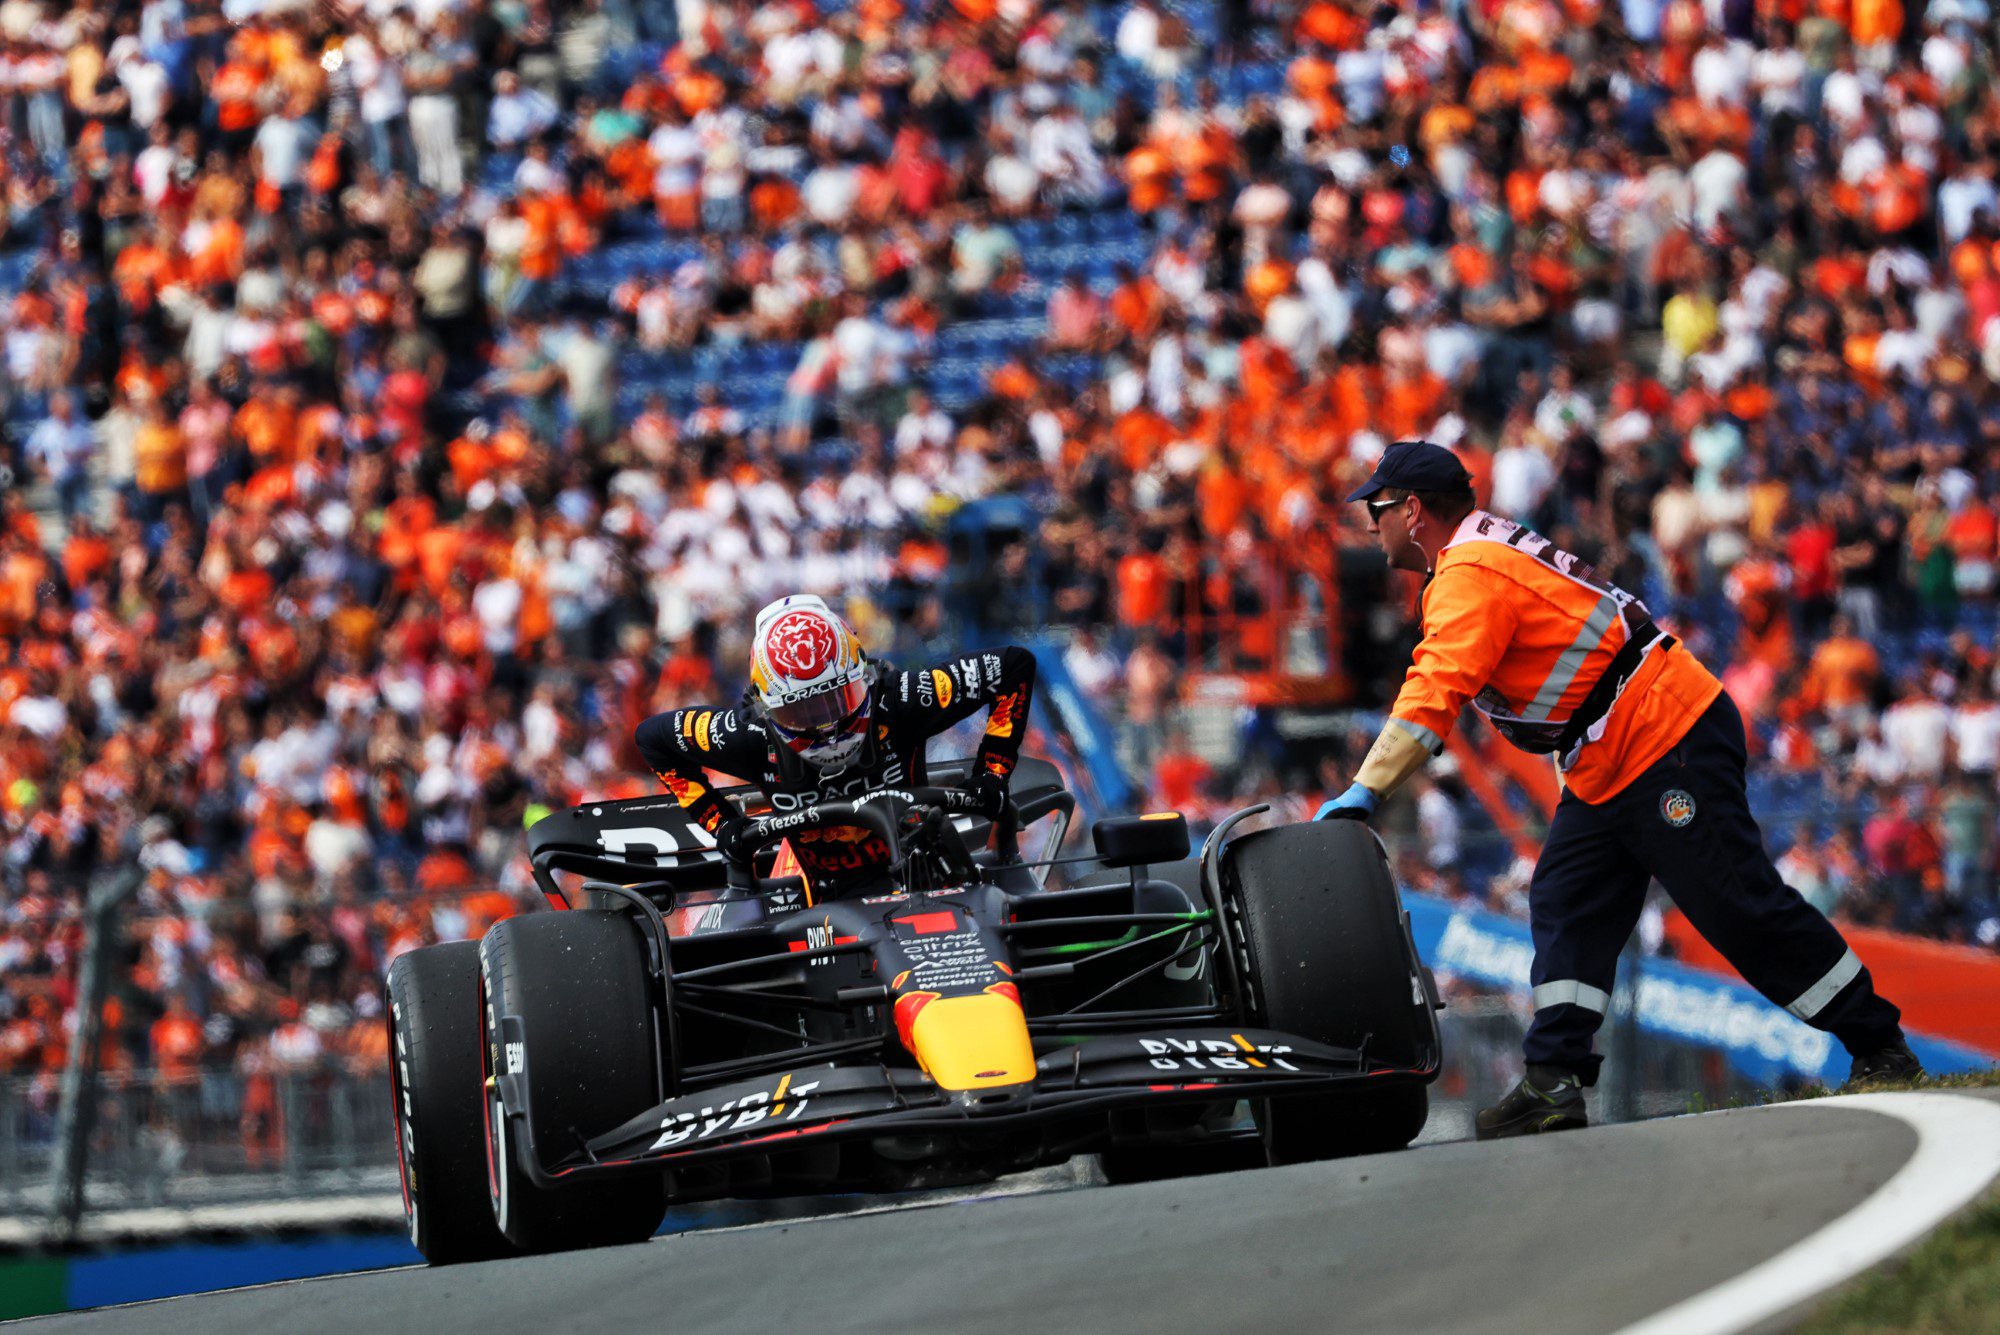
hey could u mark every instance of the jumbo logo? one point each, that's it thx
(800, 644)
(942, 681)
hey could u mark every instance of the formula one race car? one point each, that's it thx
(690, 1030)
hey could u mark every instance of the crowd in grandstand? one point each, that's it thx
(347, 531)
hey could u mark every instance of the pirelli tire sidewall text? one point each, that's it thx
(574, 987)
(435, 1082)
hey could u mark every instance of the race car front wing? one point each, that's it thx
(757, 1116)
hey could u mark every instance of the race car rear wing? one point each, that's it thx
(647, 842)
(650, 843)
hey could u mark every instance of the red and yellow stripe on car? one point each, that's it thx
(969, 1042)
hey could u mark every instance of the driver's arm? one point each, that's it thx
(1000, 680)
(681, 745)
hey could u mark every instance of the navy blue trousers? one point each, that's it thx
(1685, 821)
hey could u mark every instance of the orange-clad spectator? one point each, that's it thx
(220, 260)
(405, 520)
(1014, 380)
(23, 569)
(1858, 352)
(86, 553)
(1180, 776)
(472, 455)
(1266, 280)
(1331, 25)
(177, 1043)
(1749, 400)
(1140, 435)
(774, 201)
(1142, 588)
(1897, 198)
(1207, 162)
(1445, 123)
(1315, 80)
(437, 552)
(142, 269)
(234, 91)
(267, 424)
(1838, 274)
(1149, 177)
(1495, 87)
(1545, 73)
(1842, 676)
(1757, 588)
(1411, 401)
(1524, 195)
(1973, 534)
(1137, 303)
(354, 626)
(1876, 22)
(246, 589)
(1223, 498)
(160, 459)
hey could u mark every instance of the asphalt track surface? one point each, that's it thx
(1583, 1232)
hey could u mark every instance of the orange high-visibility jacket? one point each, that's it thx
(1522, 630)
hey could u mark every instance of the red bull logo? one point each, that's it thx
(1000, 723)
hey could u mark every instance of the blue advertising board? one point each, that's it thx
(1766, 1043)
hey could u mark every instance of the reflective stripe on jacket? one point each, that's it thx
(1522, 630)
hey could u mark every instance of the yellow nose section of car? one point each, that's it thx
(972, 1042)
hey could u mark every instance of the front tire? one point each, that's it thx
(1312, 913)
(578, 984)
(435, 1082)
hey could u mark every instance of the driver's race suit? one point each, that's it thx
(907, 709)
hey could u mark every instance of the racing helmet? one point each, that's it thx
(811, 679)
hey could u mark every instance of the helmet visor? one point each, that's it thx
(822, 713)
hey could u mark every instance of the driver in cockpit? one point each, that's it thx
(821, 722)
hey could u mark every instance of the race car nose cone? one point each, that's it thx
(977, 1042)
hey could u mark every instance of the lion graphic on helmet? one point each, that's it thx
(801, 645)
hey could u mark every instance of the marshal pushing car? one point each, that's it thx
(690, 1028)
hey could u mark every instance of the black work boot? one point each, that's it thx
(1893, 1063)
(1548, 1098)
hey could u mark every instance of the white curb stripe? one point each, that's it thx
(1958, 1154)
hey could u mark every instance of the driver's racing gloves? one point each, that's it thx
(989, 792)
(733, 840)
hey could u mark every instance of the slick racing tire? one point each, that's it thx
(577, 984)
(434, 1080)
(1318, 931)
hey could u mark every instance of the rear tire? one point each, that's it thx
(578, 983)
(1320, 942)
(434, 1081)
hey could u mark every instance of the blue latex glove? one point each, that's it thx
(1357, 803)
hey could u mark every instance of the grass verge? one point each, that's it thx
(1949, 1285)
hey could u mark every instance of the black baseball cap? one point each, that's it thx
(1415, 465)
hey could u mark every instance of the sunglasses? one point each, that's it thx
(1376, 508)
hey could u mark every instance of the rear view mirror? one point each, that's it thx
(1134, 841)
